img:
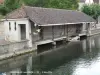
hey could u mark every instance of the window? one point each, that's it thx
(15, 25)
(9, 26)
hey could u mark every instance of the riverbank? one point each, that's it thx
(17, 53)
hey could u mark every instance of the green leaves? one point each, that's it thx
(62, 4)
(92, 10)
(3, 10)
(10, 5)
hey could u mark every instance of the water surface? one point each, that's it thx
(74, 58)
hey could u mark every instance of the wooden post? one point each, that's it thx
(53, 33)
(87, 28)
(67, 32)
(54, 43)
(64, 40)
(41, 33)
(64, 30)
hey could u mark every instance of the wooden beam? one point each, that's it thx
(67, 33)
(64, 24)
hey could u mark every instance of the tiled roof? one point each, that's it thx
(96, 1)
(19, 13)
(49, 15)
(1, 1)
(82, 1)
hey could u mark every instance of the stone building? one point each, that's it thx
(45, 25)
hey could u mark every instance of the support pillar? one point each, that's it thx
(64, 40)
(84, 27)
(64, 30)
(53, 43)
(67, 33)
(53, 33)
(28, 34)
(41, 33)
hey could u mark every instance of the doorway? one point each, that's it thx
(23, 31)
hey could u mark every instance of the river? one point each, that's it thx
(74, 58)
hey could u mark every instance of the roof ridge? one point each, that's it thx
(49, 8)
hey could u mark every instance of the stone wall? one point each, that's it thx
(95, 31)
(2, 31)
(12, 47)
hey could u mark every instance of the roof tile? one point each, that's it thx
(50, 15)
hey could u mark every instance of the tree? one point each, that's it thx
(92, 10)
(3, 10)
(62, 4)
(9, 5)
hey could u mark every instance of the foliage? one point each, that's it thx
(3, 10)
(10, 5)
(62, 4)
(92, 10)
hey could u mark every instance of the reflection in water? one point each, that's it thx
(75, 58)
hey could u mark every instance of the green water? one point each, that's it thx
(74, 58)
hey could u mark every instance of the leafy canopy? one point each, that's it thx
(92, 10)
(10, 5)
(61, 4)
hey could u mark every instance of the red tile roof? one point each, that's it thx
(1, 1)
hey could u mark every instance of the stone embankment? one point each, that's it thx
(12, 49)
(17, 53)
